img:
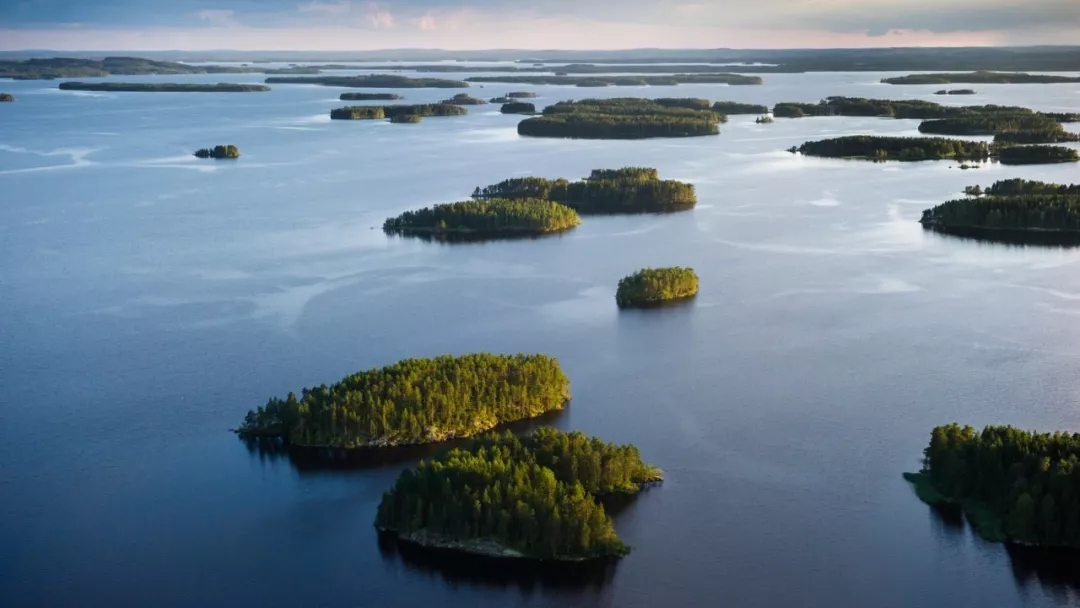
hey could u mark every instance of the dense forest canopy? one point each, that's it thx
(889, 108)
(650, 286)
(415, 401)
(518, 107)
(463, 99)
(163, 87)
(535, 496)
(955, 92)
(605, 191)
(223, 151)
(1017, 187)
(1059, 212)
(623, 81)
(731, 108)
(1037, 155)
(373, 112)
(372, 81)
(896, 148)
(491, 217)
(406, 118)
(622, 118)
(369, 97)
(1016, 485)
(981, 77)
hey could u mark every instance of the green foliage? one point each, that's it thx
(981, 77)
(416, 401)
(490, 217)
(955, 92)
(1037, 155)
(163, 87)
(622, 118)
(1026, 483)
(369, 97)
(690, 103)
(987, 124)
(731, 108)
(606, 191)
(623, 81)
(406, 118)
(536, 496)
(650, 286)
(227, 151)
(1018, 212)
(889, 108)
(463, 99)
(518, 107)
(799, 110)
(371, 81)
(896, 148)
(390, 111)
(358, 113)
(521, 95)
(1017, 187)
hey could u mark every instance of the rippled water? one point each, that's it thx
(149, 299)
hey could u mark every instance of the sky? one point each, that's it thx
(339, 25)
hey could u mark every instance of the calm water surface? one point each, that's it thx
(150, 299)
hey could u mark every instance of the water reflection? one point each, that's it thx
(1016, 238)
(458, 238)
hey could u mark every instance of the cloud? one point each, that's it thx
(378, 17)
(426, 22)
(216, 17)
(326, 8)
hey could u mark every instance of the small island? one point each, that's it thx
(981, 77)
(605, 191)
(621, 118)
(535, 497)
(390, 111)
(1014, 486)
(732, 108)
(1011, 210)
(518, 107)
(651, 287)
(415, 401)
(372, 81)
(162, 87)
(521, 95)
(955, 92)
(764, 120)
(560, 78)
(369, 97)
(881, 148)
(6, 97)
(219, 152)
(463, 99)
(487, 218)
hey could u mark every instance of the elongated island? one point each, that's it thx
(163, 87)
(651, 287)
(486, 219)
(369, 97)
(622, 81)
(1015, 210)
(372, 81)
(955, 92)
(622, 118)
(731, 108)
(1014, 485)
(535, 497)
(982, 77)
(464, 99)
(518, 107)
(605, 191)
(219, 152)
(415, 401)
(374, 112)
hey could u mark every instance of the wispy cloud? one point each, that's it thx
(427, 22)
(379, 17)
(217, 17)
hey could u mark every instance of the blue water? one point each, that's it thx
(149, 299)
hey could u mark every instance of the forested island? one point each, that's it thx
(732, 108)
(621, 118)
(1037, 155)
(955, 92)
(888, 108)
(396, 110)
(882, 148)
(415, 401)
(623, 81)
(406, 118)
(163, 87)
(6, 97)
(518, 107)
(981, 77)
(605, 191)
(534, 497)
(488, 218)
(219, 152)
(764, 120)
(369, 97)
(1011, 209)
(1013, 485)
(656, 286)
(463, 99)
(513, 96)
(373, 81)
(1024, 128)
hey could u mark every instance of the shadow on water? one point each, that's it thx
(457, 568)
(464, 238)
(676, 303)
(1008, 237)
(311, 460)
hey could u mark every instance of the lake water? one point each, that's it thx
(150, 299)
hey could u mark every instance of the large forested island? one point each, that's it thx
(605, 191)
(1009, 209)
(535, 497)
(415, 401)
(1013, 485)
(219, 152)
(623, 81)
(488, 218)
(980, 78)
(164, 87)
(1037, 155)
(391, 111)
(621, 118)
(369, 97)
(6, 97)
(882, 148)
(656, 286)
(889, 108)
(1023, 128)
(373, 81)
